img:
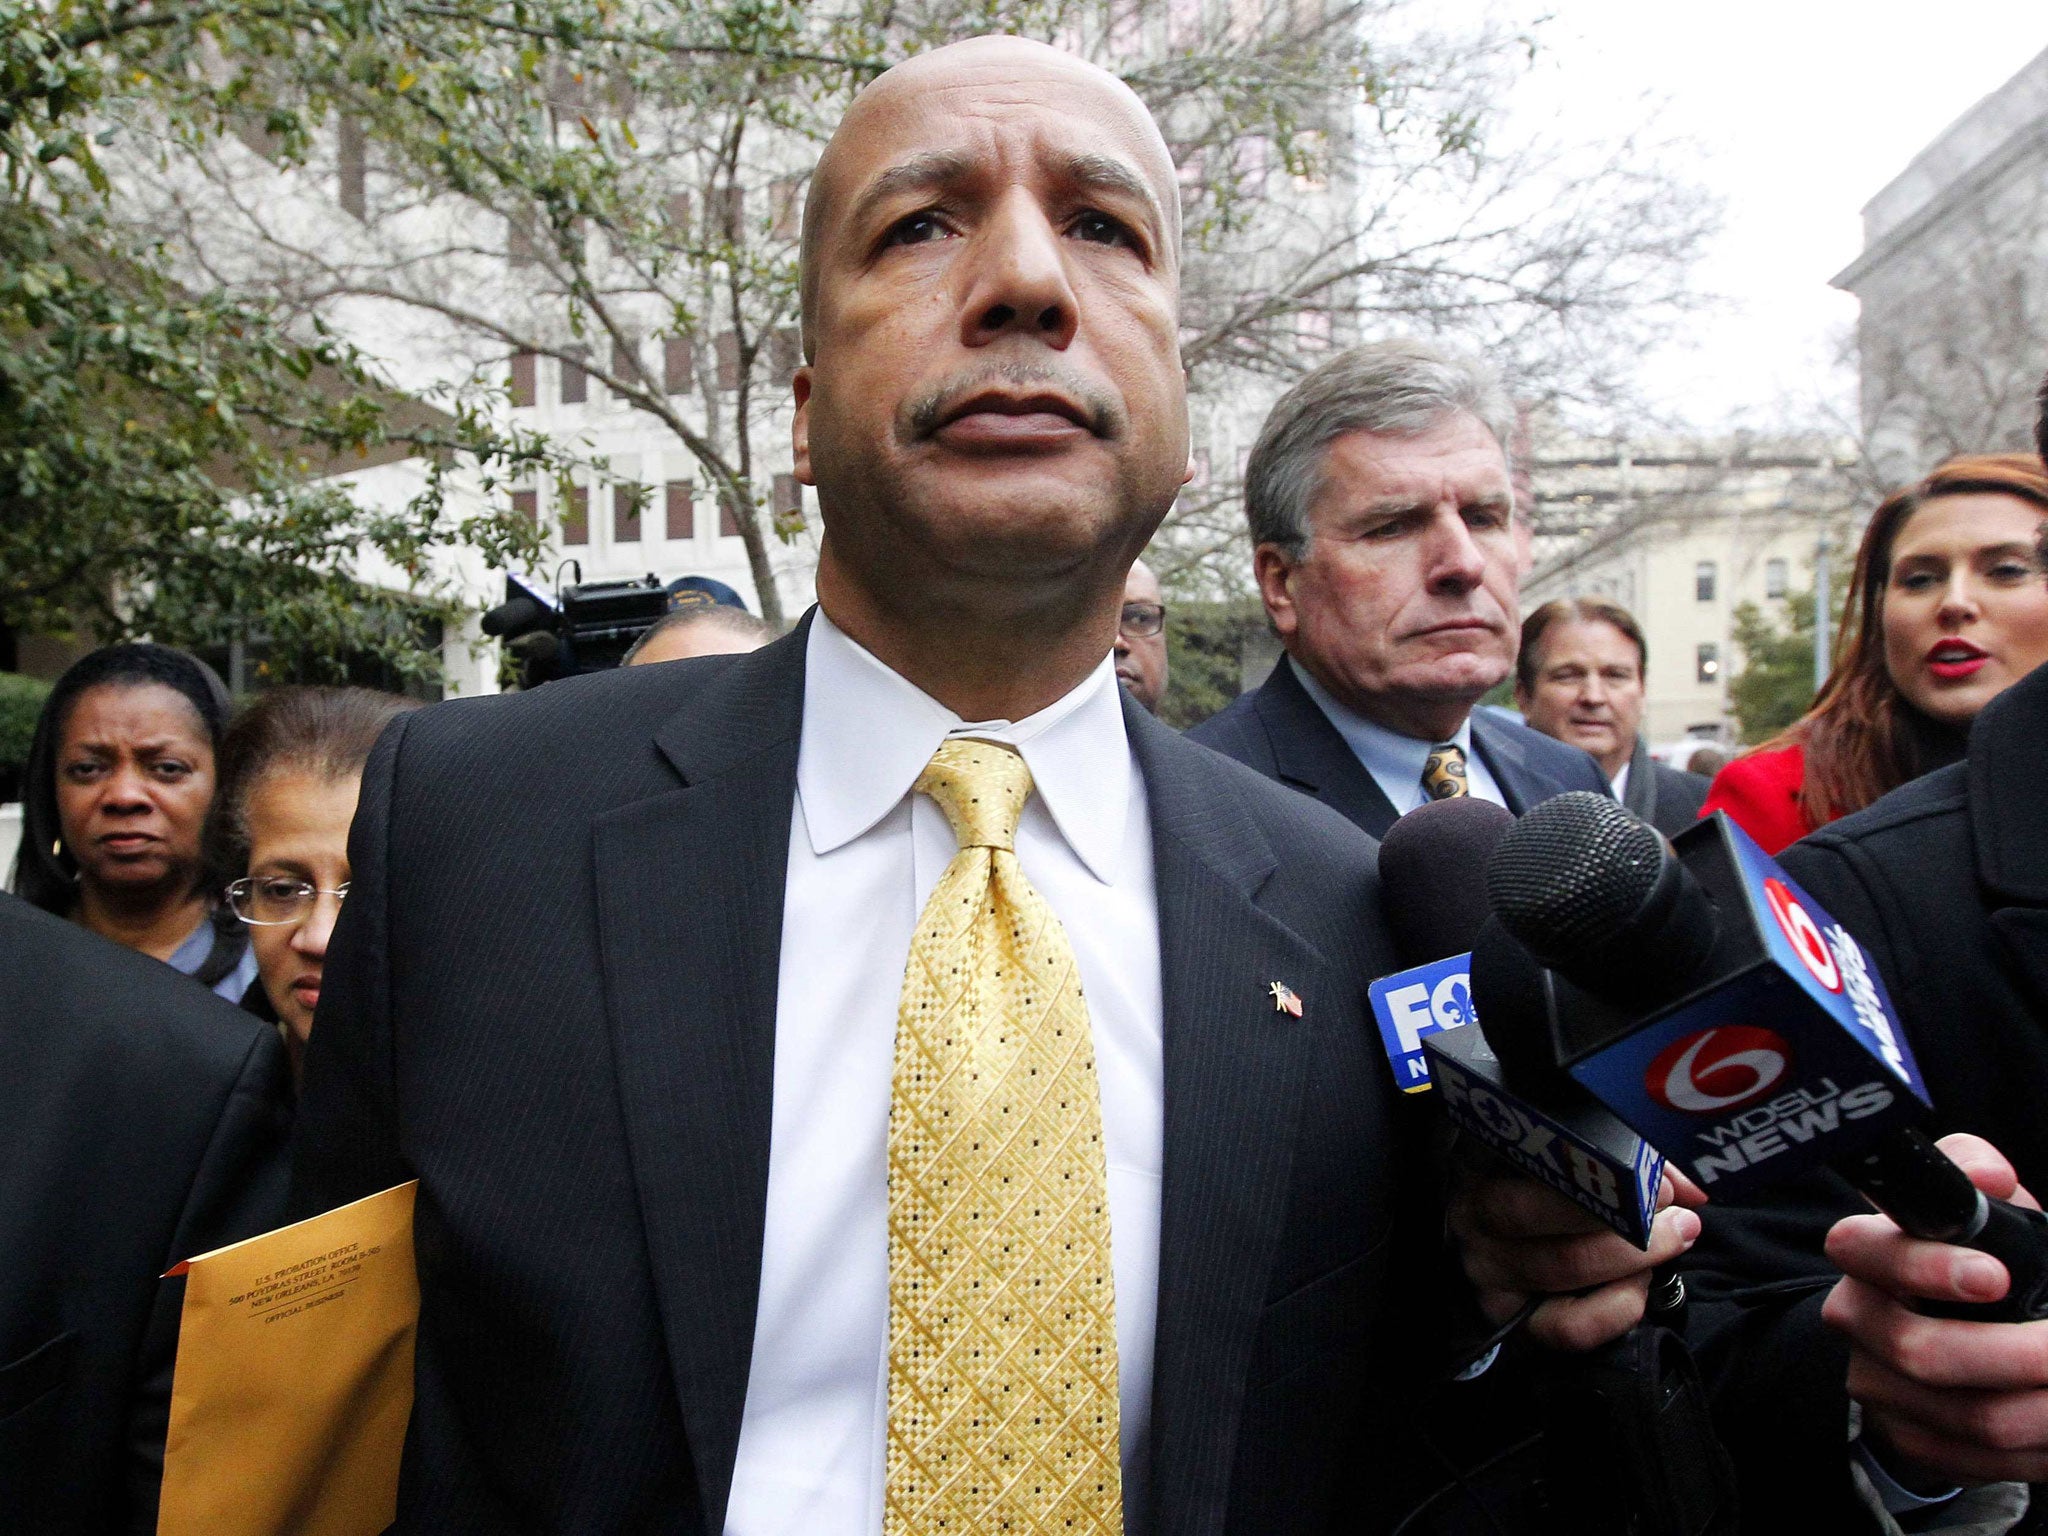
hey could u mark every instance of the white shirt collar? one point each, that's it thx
(868, 733)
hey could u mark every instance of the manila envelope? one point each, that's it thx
(294, 1378)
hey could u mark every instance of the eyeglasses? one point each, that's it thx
(1141, 621)
(274, 900)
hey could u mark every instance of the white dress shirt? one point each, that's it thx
(1396, 761)
(864, 854)
(1619, 783)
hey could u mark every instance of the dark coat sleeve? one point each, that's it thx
(239, 1192)
(347, 1145)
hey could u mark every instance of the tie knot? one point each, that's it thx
(981, 787)
(1443, 772)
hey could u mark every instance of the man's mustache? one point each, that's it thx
(1102, 413)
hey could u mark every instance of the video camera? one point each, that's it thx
(586, 627)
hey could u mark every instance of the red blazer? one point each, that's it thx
(1760, 793)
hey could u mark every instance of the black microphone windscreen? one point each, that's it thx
(1572, 872)
(1433, 876)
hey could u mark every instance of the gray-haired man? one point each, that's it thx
(1382, 516)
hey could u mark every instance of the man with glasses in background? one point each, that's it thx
(1141, 639)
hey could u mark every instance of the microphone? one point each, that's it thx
(1424, 856)
(1433, 905)
(1629, 1448)
(515, 616)
(1435, 901)
(1656, 967)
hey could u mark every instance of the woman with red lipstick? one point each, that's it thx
(1946, 610)
(290, 769)
(118, 782)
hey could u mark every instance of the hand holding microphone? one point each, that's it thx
(1553, 1199)
(1712, 1005)
(1966, 1401)
(1518, 1239)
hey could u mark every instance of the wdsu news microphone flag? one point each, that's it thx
(1713, 1005)
(1782, 1053)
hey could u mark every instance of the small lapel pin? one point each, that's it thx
(1284, 1000)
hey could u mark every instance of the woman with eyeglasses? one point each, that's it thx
(290, 770)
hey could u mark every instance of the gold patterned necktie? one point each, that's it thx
(1002, 1304)
(1443, 772)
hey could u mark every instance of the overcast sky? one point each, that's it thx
(1802, 110)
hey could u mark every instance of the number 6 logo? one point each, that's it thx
(1803, 934)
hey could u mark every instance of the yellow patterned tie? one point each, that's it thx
(1443, 772)
(1002, 1305)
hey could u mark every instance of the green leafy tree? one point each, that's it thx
(1205, 644)
(21, 703)
(168, 447)
(1775, 686)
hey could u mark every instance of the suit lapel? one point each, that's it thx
(690, 898)
(1310, 754)
(1234, 1068)
(1641, 794)
(1507, 762)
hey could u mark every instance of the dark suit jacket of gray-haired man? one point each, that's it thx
(1382, 516)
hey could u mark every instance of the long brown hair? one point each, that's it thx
(1858, 741)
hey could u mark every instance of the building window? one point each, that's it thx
(1709, 663)
(626, 360)
(728, 517)
(727, 345)
(785, 352)
(729, 206)
(1705, 578)
(789, 504)
(676, 362)
(526, 504)
(626, 514)
(576, 517)
(679, 213)
(352, 175)
(786, 200)
(1774, 578)
(523, 392)
(575, 381)
(681, 510)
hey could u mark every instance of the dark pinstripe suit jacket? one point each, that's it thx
(552, 999)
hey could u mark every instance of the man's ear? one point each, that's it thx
(1274, 573)
(800, 427)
